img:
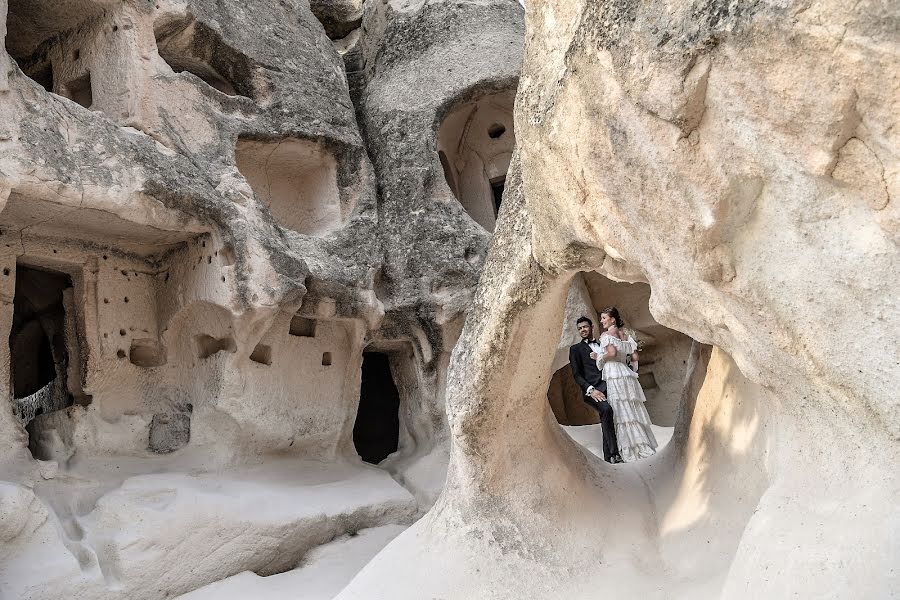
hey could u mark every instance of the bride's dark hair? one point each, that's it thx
(613, 312)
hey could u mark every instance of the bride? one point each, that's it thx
(623, 391)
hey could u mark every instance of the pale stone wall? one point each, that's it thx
(706, 152)
(245, 197)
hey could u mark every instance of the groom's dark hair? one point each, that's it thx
(584, 320)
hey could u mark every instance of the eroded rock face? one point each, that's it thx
(229, 202)
(232, 201)
(742, 161)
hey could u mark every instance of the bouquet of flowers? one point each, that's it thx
(634, 334)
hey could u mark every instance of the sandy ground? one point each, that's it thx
(324, 572)
(591, 436)
(213, 522)
(133, 534)
(330, 567)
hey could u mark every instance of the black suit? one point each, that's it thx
(586, 373)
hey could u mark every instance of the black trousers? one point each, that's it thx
(608, 425)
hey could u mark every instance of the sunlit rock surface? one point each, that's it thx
(742, 161)
(239, 250)
(226, 234)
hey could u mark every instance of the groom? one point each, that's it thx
(590, 380)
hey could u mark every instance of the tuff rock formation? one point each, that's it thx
(232, 268)
(240, 243)
(740, 158)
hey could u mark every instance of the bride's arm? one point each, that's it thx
(633, 356)
(634, 361)
(610, 353)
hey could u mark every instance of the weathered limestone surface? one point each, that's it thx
(741, 160)
(420, 60)
(210, 209)
(233, 200)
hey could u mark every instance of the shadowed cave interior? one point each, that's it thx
(39, 345)
(376, 432)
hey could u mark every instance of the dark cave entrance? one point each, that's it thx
(39, 353)
(376, 432)
(81, 91)
(497, 185)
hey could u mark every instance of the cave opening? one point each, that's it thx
(80, 91)
(262, 354)
(496, 130)
(39, 343)
(302, 327)
(475, 143)
(38, 68)
(663, 365)
(376, 432)
(39, 38)
(207, 345)
(297, 181)
(30, 30)
(663, 352)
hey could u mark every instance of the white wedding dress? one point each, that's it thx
(625, 396)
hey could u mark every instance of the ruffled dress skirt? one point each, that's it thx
(625, 396)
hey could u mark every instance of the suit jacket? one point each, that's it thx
(584, 368)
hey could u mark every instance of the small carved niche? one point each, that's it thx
(302, 327)
(262, 354)
(147, 353)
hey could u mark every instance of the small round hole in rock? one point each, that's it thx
(496, 130)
